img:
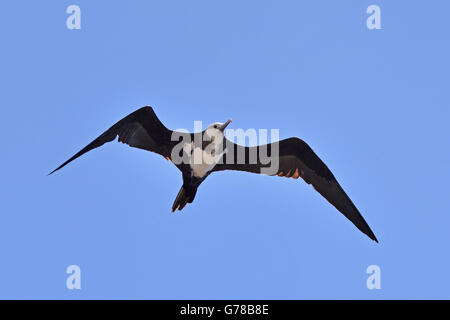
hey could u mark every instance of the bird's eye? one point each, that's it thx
(215, 126)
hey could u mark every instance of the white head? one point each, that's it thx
(216, 129)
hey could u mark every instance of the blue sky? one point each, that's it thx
(373, 104)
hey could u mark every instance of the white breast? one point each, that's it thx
(201, 161)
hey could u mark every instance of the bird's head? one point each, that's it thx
(215, 131)
(217, 128)
(219, 125)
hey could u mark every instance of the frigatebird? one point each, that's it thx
(142, 129)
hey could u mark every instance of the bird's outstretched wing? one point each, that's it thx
(295, 159)
(140, 129)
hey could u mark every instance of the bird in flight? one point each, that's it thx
(197, 155)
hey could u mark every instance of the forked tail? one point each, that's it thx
(182, 199)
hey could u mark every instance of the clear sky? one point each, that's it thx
(373, 104)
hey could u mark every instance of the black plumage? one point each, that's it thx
(142, 129)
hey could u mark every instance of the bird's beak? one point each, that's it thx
(225, 124)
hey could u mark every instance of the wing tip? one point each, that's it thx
(60, 167)
(371, 235)
(49, 174)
